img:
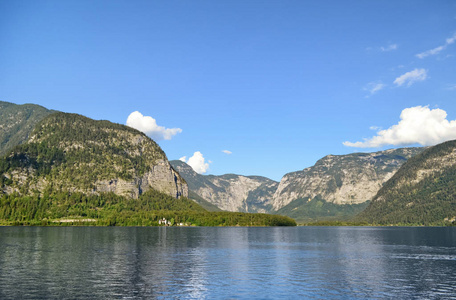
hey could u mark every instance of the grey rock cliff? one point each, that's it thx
(342, 179)
(230, 192)
(162, 177)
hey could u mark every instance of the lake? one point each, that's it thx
(227, 263)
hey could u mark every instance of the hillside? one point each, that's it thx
(422, 192)
(229, 192)
(109, 209)
(17, 122)
(69, 152)
(317, 210)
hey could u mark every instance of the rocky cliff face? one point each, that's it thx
(230, 192)
(73, 153)
(342, 179)
(162, 177)
(339, 179)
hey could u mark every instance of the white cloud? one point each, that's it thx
(451, 87)
(373, 87)
(389, 48)
(149, 126)
(227, 152)
(197, 162)
(434, 51)
(375, 128)
(438, 49)
(411, 77)
(451, 40)
(418, 125)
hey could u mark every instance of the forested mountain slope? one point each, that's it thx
(422, 192)
(17, 122)
(69, 152)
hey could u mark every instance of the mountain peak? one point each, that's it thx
(75, 153)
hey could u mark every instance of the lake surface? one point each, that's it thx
(227, 263)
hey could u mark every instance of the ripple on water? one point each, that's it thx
(224, 263)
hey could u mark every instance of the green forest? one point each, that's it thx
(109, 209)
(305, 210)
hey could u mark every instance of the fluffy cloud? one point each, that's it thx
(373, 87)
(411, 77)
(149, 126)
(196, 162)
(227, 152)
(418, 125)
(389, 48)
(438, 49)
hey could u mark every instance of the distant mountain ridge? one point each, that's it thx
(336, 187)
(17, 122)
(230, 192)
(342, 179)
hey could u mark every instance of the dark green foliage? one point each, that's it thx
(17, 122)
(109, 209)
(427, 202)
(306, 210)
(37, 156)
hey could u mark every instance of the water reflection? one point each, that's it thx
(241, 263)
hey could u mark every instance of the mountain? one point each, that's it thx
(17, 122)
(342, 179)
(337, 187)
(422, 192)
(229, 192)
(69, 152)
(73, 170)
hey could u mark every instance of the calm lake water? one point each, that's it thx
(227, 263)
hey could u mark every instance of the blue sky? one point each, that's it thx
(279, 84)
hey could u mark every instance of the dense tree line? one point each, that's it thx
(109, 209)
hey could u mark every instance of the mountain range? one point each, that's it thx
(76, 169)
(336, 187)
(48, 152)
